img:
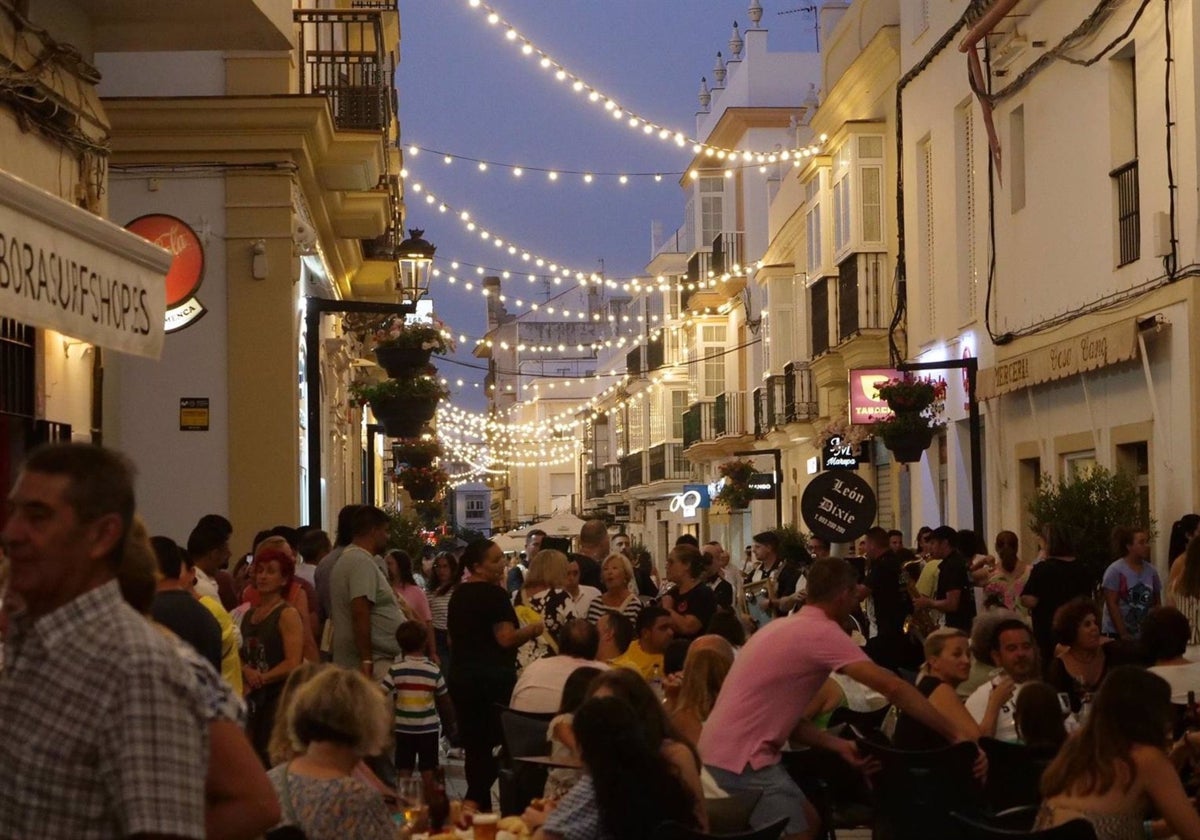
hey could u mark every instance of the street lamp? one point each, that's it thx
(414, 259)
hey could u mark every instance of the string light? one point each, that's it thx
(642, 125)
(587, 176)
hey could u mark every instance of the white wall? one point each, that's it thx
(181, 475)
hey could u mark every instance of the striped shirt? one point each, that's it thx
(630, 608)
(439, 608)
(413, 682)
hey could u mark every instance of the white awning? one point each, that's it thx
(65, 269)
(1098, 348)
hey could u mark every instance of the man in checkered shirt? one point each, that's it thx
(101, 732)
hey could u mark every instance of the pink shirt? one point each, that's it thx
(772, 680)
(414, 596)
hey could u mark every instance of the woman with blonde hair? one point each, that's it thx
(704, 672)
(335, 720)
(947, 663)
(542, 597)
(616, 573)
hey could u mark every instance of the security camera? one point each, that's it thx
(303, 235)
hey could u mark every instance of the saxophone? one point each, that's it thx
(923, 621)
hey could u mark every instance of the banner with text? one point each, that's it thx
(63, 268)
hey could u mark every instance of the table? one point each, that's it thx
(547, 761)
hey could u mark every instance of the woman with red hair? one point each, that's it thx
(272, 643)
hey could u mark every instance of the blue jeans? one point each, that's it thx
(781, 797)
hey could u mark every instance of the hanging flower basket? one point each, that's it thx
(422, 483)
(402, 361)
(908, 445)
(735, 493)
(913, 394)
(415, 453)
(431, 514)
(403, 406)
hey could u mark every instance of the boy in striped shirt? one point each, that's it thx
(419, 695)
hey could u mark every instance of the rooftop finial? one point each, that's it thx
(735, 44)
(755, 12)
(719, 72)
(705, 95)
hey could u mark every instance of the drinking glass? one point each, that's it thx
(410, 795)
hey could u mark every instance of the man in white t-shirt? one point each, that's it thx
(540, 686)
(581, 595)
(1016, 655)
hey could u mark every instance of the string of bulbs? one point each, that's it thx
(635, 121)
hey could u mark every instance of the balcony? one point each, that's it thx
(730, 414)
(703, 285)
(799, 393)
(137, 26)
(596, 483)
(615, 484)
(667, 463)
(344, 57)
(632, 473)
(862, 294)
(818, 313)
(699, 423)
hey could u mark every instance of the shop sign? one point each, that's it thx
(65, 269)
(1093, 350)
(693, 498)
(621, 512)
(187, 265)
(838, 454)
(865, 404)
(762, 485)
(838, 506)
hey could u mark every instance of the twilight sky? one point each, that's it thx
(466, 90)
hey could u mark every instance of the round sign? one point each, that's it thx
(838, 507)
(187, 267)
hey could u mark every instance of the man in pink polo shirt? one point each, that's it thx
(772, 681)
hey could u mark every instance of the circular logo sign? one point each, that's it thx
(176, 236)
(838, 507)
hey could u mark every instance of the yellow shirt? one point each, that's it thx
(231, 662)
(928, 581)
(638, 660)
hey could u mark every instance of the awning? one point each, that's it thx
(1108, 345)
(65, 269)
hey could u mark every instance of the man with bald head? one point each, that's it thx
(593, 548)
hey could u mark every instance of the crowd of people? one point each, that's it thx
(150, 687)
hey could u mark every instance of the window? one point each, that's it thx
(925, 229)
(968, 263)
(475, 507)
(1078, 464)
(679, 404)
(636, 426)
(712, 347)
(813, 224)
(819, 316)
(1016, 144)
(657, 430)
(841, 214)
(1134, 459)
(712, 205)
(1124, 174)
(872, 203)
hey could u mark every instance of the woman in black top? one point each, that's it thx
(947, 664)
(1081, 667)
(691, 603)
(484, 636)
(1053, 582)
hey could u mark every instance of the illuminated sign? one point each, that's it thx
(838, 454)
(762, 485)
(686, 503)
(865, 405)
(187, 265)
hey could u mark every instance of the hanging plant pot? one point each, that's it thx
(422, 492)
(907, 445)
(907, 405)
(422, 483)
(403, 417)
(400, 362)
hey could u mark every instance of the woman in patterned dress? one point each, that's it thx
(543, 598)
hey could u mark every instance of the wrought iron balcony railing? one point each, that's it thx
(699, 423)
(343, 57)
(666, 462)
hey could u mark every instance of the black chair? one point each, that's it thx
(838, 792)
(675, 831)
(862, 721)
(915, 790)
(973, 829)
(523, 734)
(1014, 774)
(731, 813)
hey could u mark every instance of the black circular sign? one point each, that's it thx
(838, 507)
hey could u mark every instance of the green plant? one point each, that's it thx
(405, 532)
(902, 425)
(1087, 506)
(405, 448)
(913, 394)
(793, 544)
(735, 492)
(417, 389)
(396, 332)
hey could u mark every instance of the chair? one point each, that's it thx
(861, 721)
(838, 791)
(1014, 774)
(675, 831)
(523, 733)
(915, 790)
(731, 813)
(973, 829)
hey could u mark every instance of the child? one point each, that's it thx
(560, 780)
(419, 696)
